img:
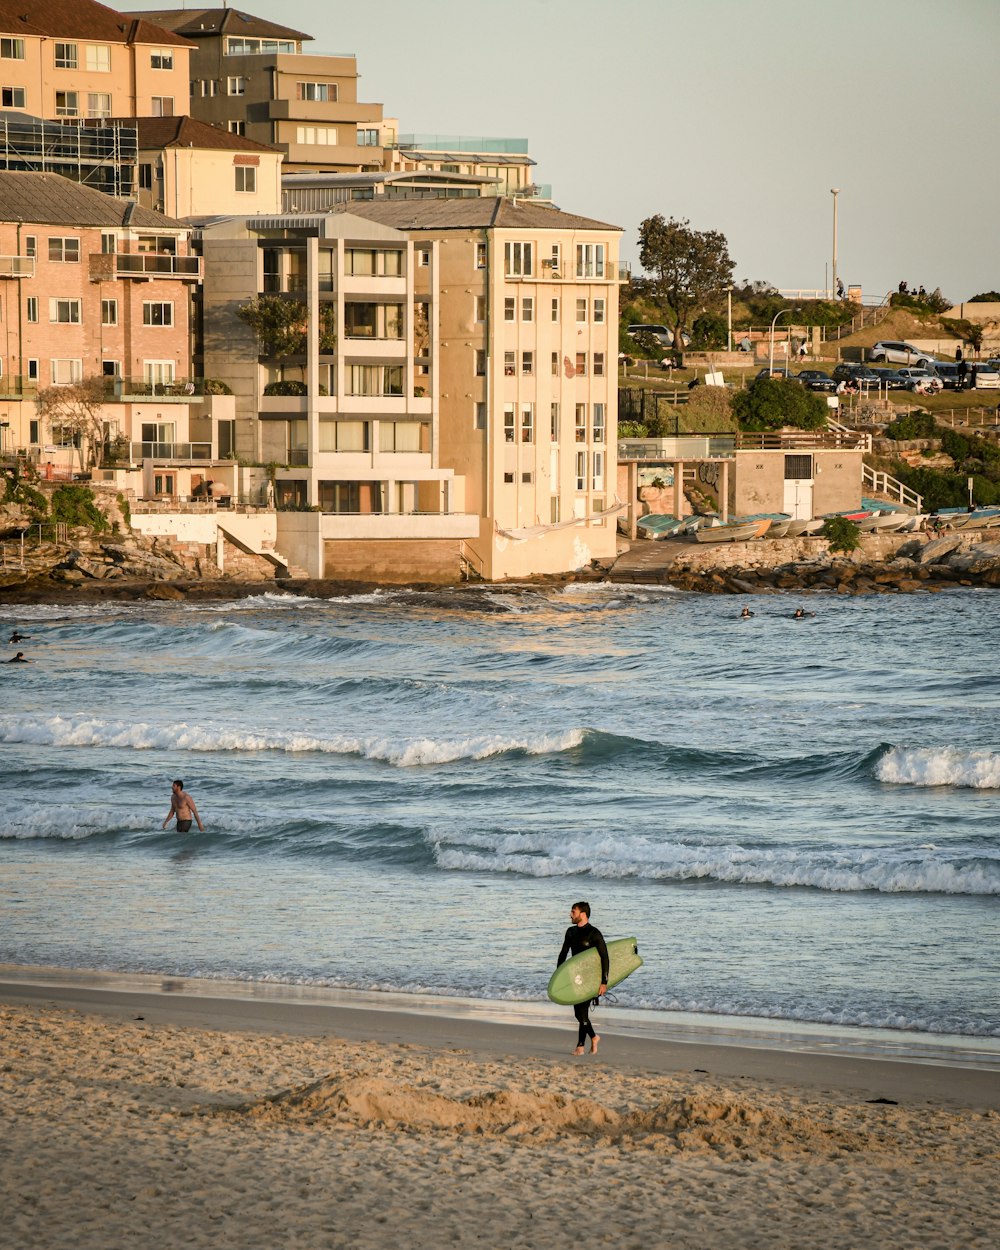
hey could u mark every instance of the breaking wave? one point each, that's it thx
(940, 766)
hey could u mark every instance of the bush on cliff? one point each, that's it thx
(771, 404)
(75, 506)
(912, 425)
(841, 533)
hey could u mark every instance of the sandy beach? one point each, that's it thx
(176, 1119)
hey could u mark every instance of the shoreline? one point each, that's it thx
(952, 1070)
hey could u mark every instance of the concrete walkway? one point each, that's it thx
(647, 560)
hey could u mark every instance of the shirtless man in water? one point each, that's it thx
(182, 806)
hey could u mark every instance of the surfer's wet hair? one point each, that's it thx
(178, 782)
(584, 907)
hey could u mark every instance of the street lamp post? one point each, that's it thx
(835, 191)
(770, 360)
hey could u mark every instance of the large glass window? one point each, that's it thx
(99, 58)
(67, 104)
(406, 436)
(98, 103)
(67, 56)
(64, 249)
(527, 423)
(326, 136)
(157, 313)
(373, 321)
(323, 91)
(160, 58)
(518, 260)
(509, 423)
(12, 49)
(344, 435)
(240, 45)
(374, 379)
(65, 311)
(598, 424)
(590, 260)
(373, 262)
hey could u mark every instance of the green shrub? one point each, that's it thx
(632, 429)
(772, 403)
(75, 506)
(912, 425)
(125, 508)
(214, 386)
(841, 533)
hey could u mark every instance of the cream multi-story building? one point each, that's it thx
(252, 77)
(70, 59)
(94, 288)
(455, 384)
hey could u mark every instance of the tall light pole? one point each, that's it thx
(835, 191)
(770, 360)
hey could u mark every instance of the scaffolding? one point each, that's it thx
(99, 154)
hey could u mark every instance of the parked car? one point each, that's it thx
(862, 377)
(890, 380)
(948, 372)
(663, 336)
(900, 353)
(986, 374)
(779, 372)
(817, 380)
(922, 380)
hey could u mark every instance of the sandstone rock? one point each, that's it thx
(164, 591)
(938, 548)
(909, 584)
(68, 575)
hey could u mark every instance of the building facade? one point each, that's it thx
(252, 77)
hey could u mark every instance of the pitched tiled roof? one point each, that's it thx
(189, 132)
(82, 19)
(48, 199)
(193, 23)
(478, 213)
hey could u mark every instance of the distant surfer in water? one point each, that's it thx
(20, 658)
(182, 805)
(746, 613)
(580, 936)
(16, 637)
(800, 614)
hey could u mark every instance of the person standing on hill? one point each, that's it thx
(580, 936)
(182, 806)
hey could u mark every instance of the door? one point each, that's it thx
(799, 498)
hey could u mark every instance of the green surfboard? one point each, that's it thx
(579, 978)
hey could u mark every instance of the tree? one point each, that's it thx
(772, 403)
(77, 409)
(282, 325)
(689, 268)
(842, 533)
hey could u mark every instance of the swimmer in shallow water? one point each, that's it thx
(745, 614)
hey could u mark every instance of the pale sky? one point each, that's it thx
(738, 115)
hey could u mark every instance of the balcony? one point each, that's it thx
(17, 266)
(172, 453)
(148, 265)
(176, 391)
(15, 387)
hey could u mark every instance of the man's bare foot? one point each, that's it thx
(593, 1043)
(578, 1051)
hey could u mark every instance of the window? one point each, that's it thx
(480, 255)
(158, 373)
(64, 435)
(368, 138)
(554, 422)
(34, 426)
(33, 376)
(161, 58)
(111, 369)
(324, 135)
(527, 423)
(12, 49)
(67, 56)
(344, 435)
(14, 98)
(509, 423)
(598, 312)
(145, 177)
(162, 106)
(246, 178)
(527, 364)
(580, 427)
(373, 321)
(555, 261)
(65, 311)
(581, 470)
(374, 379)
(509, 308)
(581, 310)
(372, 262)
(323, 91)
(509, 479)
(527, 309)
(590, 260)
(598, 364)
(241, 45)
(66, 372)
(480, 418)
(597, 464)
(555, 364)
(67, 250)
(236, 85)
(554, 511)
(404, 436)
(99, 58)
(238, 128)
(205, 87)
(598, 425)
(798, 468)
(581, 364)
(157, 313)
(31, 245)
(517, 260)
(480, 308)
(480, 363)
(424, 257)
(67, 104)
(510, 364)
(98, 104)
(31, 310)
(555, 308)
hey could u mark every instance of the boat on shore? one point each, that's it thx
(732, 531)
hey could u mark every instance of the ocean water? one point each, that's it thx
(405, 791)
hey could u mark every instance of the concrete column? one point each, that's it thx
(724, 491)
(679, 501)
(633, 499)
(312, 364)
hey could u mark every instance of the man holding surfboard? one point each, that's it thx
(581, 936)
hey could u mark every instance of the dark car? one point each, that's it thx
(817, 380)
(862, 377)
(949, 374)
(779, 373)
(890, 380)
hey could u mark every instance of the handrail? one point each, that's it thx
(884, 484)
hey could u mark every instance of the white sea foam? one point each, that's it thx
(940, 766)
(81, 731)
(912, 870)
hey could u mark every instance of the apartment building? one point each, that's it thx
(335, 386)
(188, 168)
(97, 291)
(252, 77)
(73, 59)
(504, 161)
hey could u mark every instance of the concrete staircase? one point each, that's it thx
(885, 486)
(283, 570)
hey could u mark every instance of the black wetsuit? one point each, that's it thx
(580, 938)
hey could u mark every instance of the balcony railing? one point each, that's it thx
(177, 390)
(15, 387)
(156, 265)
(17, 266)
(116, 456)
